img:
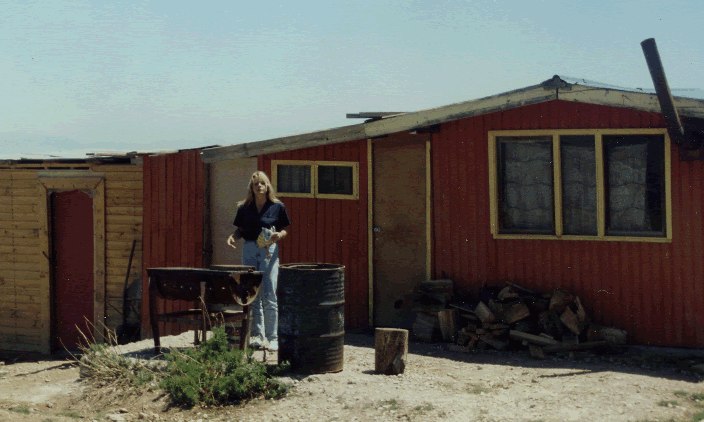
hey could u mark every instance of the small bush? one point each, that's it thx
(21, 409)
(215, 374)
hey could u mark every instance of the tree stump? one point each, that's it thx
(391, 347)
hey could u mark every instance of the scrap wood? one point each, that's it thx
(484, 313)
(536, 351)
(517, 335)
(570, 320)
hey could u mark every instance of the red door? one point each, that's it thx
(72, 269)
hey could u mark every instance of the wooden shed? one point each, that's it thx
(70, 245)
(556, 185)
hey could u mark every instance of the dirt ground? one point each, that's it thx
(636, 384)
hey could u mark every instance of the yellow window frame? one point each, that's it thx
(557, 183)
(314, 178)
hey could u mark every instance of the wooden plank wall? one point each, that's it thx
(332, 231)
(652, 290)
(20, 280)
(174, 191)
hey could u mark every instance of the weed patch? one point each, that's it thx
(21, 409)
(215, 374)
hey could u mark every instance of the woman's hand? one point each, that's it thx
(232, 240)
(278, 236)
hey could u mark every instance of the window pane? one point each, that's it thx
(634, 185)
(526, 185)
(293, 178)
(578, 155)
(335, 180)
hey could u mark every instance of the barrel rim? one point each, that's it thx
(311, 266)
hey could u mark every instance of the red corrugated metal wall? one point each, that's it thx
(652, 290)
(173, 223)
(331, 231)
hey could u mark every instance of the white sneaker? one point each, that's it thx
(256, 342)
(273, 346)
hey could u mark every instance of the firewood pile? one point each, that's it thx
(511, 317)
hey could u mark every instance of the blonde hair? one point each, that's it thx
(259, 176)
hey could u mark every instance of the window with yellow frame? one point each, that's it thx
(316, 179)
(601, 184)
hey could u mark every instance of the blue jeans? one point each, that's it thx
(265, 308)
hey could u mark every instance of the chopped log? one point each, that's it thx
(536, 351)
(447, 320)
(425, 327)
(570, 320)
(520, 288)
(493, 342)
(559, 301)
(581, 313)
(462, 307)
(497, 326)
(470, 317)
(549, 321)
(497, 307)
(498, 333)
(391, 350)
(484, 313)
(517, 335)
(574, 347)
(507, 293)
(516, 313)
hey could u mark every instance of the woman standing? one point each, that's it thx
(258, 211)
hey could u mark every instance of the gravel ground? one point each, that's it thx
(640, 384)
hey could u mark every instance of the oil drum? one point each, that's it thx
(312, 317)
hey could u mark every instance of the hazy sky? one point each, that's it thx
(157, 75)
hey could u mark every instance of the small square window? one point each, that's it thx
(293, 179)
(316, 179)
(335, 180)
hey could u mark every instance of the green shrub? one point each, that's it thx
(215, 374)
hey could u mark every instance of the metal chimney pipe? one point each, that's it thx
(662, 89)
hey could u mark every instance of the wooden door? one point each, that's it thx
(72, 267)
(399, 226)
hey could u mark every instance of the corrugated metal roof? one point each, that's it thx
(697, 93)
(580, 90)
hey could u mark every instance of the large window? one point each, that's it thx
(581, 184)
(316, 179)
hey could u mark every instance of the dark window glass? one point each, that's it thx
(635, 185)
(293, 178)
(526, 197)
(579, 204)
(335, 180)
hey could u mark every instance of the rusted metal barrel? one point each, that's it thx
(312, 317)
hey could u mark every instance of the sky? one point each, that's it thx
(102, 76)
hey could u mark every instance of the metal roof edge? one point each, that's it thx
(409, 121)
(689, 107)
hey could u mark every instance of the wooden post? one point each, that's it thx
(391, 346)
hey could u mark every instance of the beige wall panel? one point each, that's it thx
(123, 219)
(22, 209)
(112, 201)
(124, 185)
(123, 237)
(11, 257)
(17, 216)
(136, 210)
(124, 176)
(23, 250)
(19, 241)
(18, 174)
(8, 274)
(228, 185)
